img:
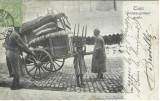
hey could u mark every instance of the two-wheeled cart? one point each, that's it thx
(51, 39)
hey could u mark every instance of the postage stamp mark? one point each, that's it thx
(6, 20)
(14, 8)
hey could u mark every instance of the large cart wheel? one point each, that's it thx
(56, 65)
(37, 66)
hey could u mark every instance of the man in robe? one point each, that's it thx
(99, 55)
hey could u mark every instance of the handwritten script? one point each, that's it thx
(138, 58)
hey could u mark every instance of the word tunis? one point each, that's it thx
(138, 8)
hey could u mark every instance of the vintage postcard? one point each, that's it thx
(79, 49)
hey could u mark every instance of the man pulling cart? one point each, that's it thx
(14, 46)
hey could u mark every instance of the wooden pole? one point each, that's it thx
(74, 33)
(82, 31)
(78, 31)
(85, 31)
(115, 8)
(82, 34)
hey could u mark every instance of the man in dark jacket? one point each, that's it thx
(99, 55)
(14, 46)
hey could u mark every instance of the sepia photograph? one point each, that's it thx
(79, 49)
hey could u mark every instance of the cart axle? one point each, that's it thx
(38, 64)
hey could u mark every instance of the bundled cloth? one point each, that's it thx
(43, 38)
(46, 31)
(44, 27)
(36, 23)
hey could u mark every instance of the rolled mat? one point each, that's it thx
(43, 27)
(46, 31)
(48, 36)
(36, 23)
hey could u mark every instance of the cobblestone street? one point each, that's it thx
(64, 80)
